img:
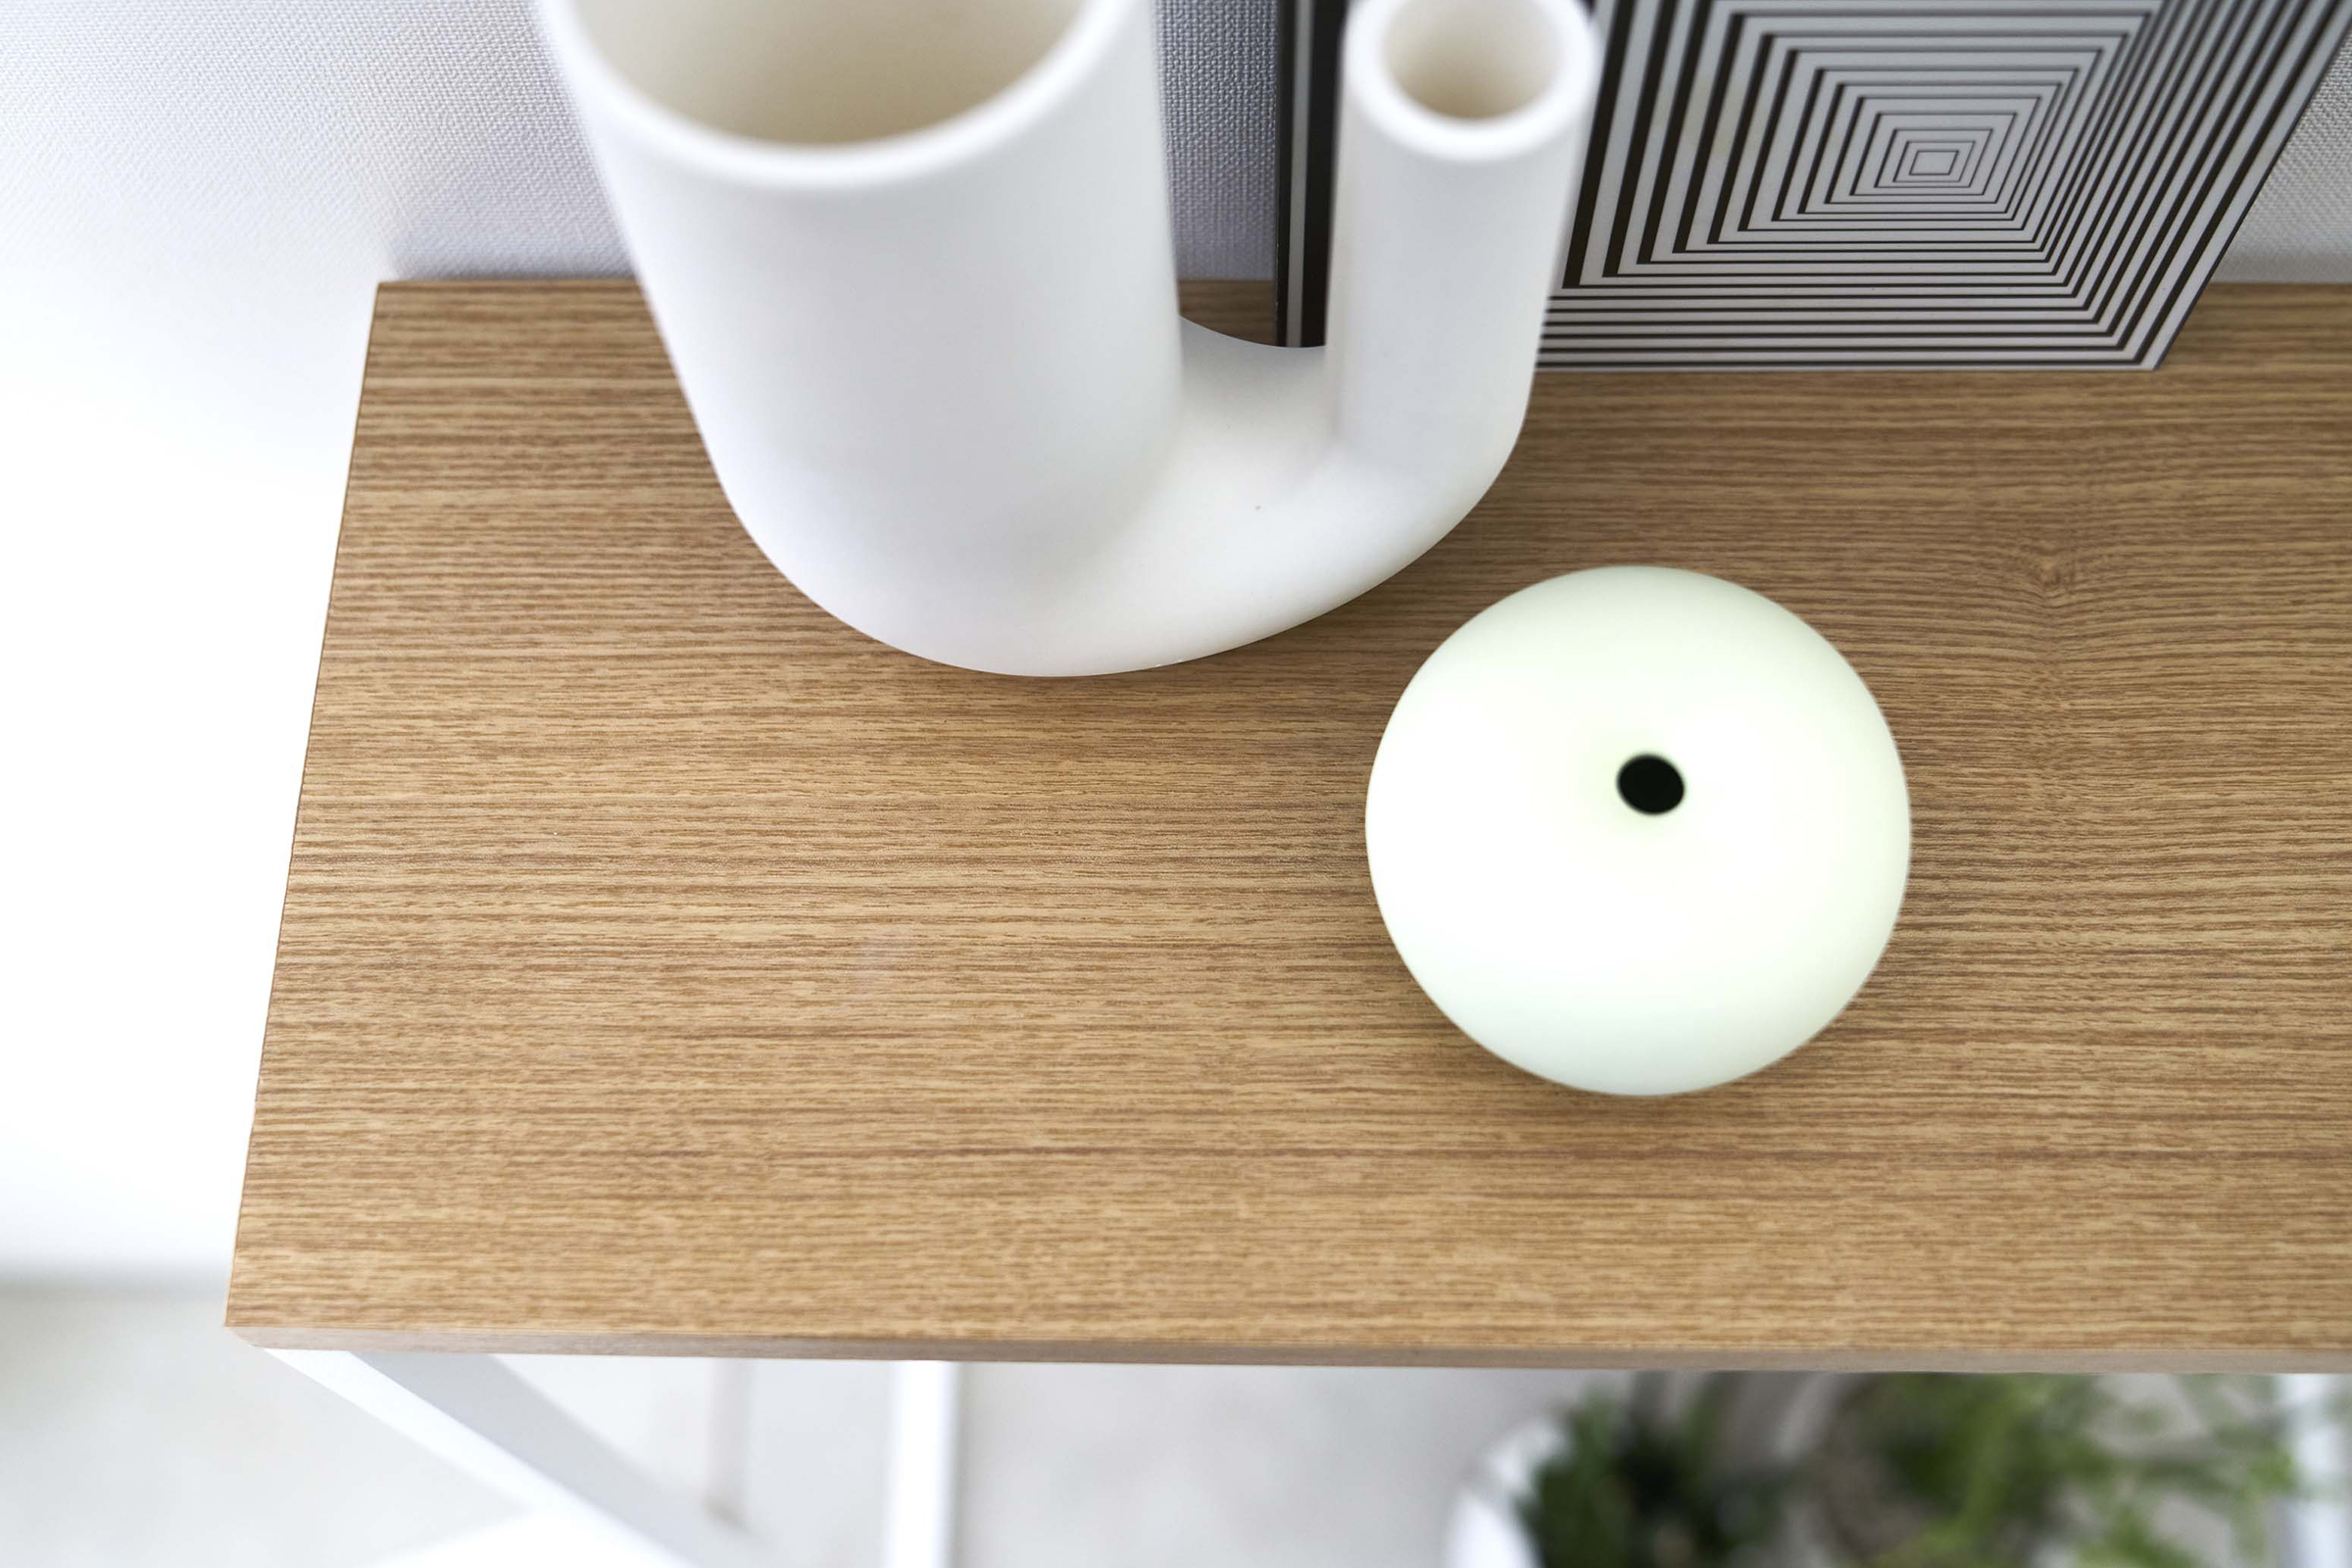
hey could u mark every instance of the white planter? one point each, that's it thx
(1482, 1529)
(1777, 1419)
(912, 261)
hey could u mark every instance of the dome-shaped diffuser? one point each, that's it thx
(1639, 830)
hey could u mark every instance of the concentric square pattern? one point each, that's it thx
(2003, 183)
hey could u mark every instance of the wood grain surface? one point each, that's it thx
(668, 969)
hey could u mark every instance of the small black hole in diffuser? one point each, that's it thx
(1650, 785)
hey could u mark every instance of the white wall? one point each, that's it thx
(195, 203)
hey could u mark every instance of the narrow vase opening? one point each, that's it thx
(1650, 785)
(1472, 58)
(824, 72)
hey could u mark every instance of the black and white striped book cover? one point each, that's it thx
(1815, 184)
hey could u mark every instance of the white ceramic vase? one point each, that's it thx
(911, 261)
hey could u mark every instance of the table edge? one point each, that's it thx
(1842, 1358)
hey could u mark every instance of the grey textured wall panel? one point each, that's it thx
(2300, 228)
(1223, 108)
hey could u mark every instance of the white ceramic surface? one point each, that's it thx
(1631, 950)
(912, 261)
(1482, 1528)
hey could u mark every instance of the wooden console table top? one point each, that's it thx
(666, 968)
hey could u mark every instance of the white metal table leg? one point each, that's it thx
(918, 1530)
(2322, 1525)
(476, 1413)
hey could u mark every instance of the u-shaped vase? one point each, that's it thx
(911, 261)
